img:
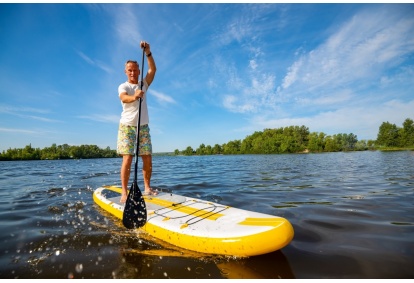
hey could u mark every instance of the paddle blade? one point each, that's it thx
(135, 211)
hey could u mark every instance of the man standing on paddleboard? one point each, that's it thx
(130, 92)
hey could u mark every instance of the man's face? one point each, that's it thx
(132, 72)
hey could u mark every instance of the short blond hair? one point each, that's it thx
(132, 61)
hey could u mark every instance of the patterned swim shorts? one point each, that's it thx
(127, 138)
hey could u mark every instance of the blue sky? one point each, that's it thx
(224, 71)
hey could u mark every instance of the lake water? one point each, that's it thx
(352, 214)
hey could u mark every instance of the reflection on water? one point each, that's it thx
(352, 215)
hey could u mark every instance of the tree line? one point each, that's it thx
(292, 139)
(64, 151)
(298, 139)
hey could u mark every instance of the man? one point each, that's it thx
(130, 93)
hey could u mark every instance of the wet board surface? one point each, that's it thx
(204, 226)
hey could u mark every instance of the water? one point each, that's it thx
(352, 214)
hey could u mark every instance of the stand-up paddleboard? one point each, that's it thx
(204, 226)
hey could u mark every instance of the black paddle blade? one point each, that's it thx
(135, 212)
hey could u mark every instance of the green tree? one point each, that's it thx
(208, 150)
(316, 142)
(201, 149)
(232, 147)
(407, 135)
(388, 135)
(349, 141)
(257, 145)
(331, 144)
(361, 145)
(246, 145)
(371, 144)
(217, 149)
(189, 151)
(287, 144)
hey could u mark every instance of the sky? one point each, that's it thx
(224, 71)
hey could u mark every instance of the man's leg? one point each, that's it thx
(147, 172)
(146, 155)
(125, 173)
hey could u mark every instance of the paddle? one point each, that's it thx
(135, 211)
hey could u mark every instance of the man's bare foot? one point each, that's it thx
(123, 198)
(150, 192)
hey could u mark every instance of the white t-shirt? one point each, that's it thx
(129, 114)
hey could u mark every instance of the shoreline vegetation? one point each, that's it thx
(55, 152)
(293, 139)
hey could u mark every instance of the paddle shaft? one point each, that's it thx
(139, 119)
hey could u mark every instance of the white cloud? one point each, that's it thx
(341, 96)
(27, 113)
(11, 130)
(252, 96)
(231, 103)
(253, 64)
(86, 58)
(101, 118)
(364, 54)
(358, 53)
(4, 108)
(162, 98)
(126, 24)
(96, 63)
(292, 74)
(236, 30)
(11, 135)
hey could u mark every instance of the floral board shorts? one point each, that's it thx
(127, 139)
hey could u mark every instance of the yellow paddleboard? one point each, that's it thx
(204, 226)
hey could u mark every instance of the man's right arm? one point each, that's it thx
(125, 98)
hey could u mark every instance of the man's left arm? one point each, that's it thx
(152, 68)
